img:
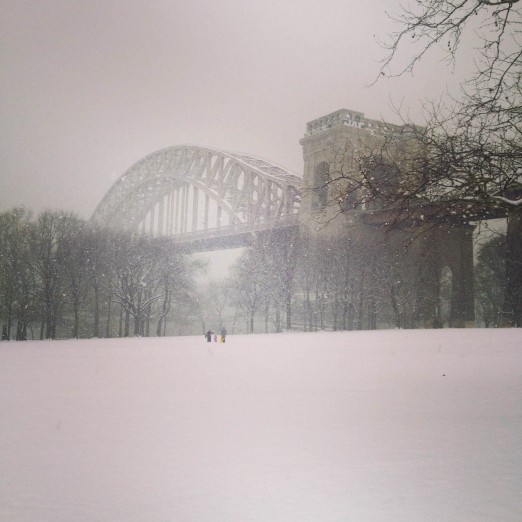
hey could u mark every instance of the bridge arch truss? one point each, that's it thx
(185, 190)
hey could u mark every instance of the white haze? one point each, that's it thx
(89, 88)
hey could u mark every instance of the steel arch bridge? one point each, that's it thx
(202, 196)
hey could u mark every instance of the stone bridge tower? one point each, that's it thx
(435, 257)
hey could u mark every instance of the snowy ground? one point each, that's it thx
(420, 426)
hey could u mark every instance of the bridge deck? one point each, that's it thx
(233, 236)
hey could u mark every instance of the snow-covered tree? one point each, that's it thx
(217, 297)
(249, 285)
(279, 254)
(133, 279)
(174, 279)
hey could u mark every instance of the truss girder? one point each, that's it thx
(245, 188)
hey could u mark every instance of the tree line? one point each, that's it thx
(287, 280)
(63, 277)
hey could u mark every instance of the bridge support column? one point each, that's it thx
(186, 203)
(460, 241)
(184, 195)
(170, 214)
(205, 218)
(161, 216)
(176, 212)
(268, 198)
(151, 222)
(195, 201)
(167, 215)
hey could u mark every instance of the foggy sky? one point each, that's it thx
(89, 87)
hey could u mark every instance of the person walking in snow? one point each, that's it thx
(208, 335)
(223, 334)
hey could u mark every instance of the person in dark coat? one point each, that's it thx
(208, 335)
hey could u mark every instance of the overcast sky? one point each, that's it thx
(89, 87)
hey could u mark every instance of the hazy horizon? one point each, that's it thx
(90, 88)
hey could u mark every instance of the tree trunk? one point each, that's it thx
(352, 305)
(137, 322)
(9, 322)
(76, 323)
(127, 324)
(21, 328)
(372, 313)
(120, 324)
(54, 324)
(147, 324)
(308, 312)
(289, 314)
(48, 321)
(163, 315)
(96, 332)
(395, 306)
(108, 324)
(361, 305)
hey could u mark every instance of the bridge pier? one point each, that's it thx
(331, 144)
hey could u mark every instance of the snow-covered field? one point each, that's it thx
(406, 426)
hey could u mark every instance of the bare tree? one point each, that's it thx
(249, 285)
(98, 243)
(278, 252)
(174, 278)
(16, 277)
(133, 282)
(76, 272)
(49, 261)
(468, 158)
(218, 297)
